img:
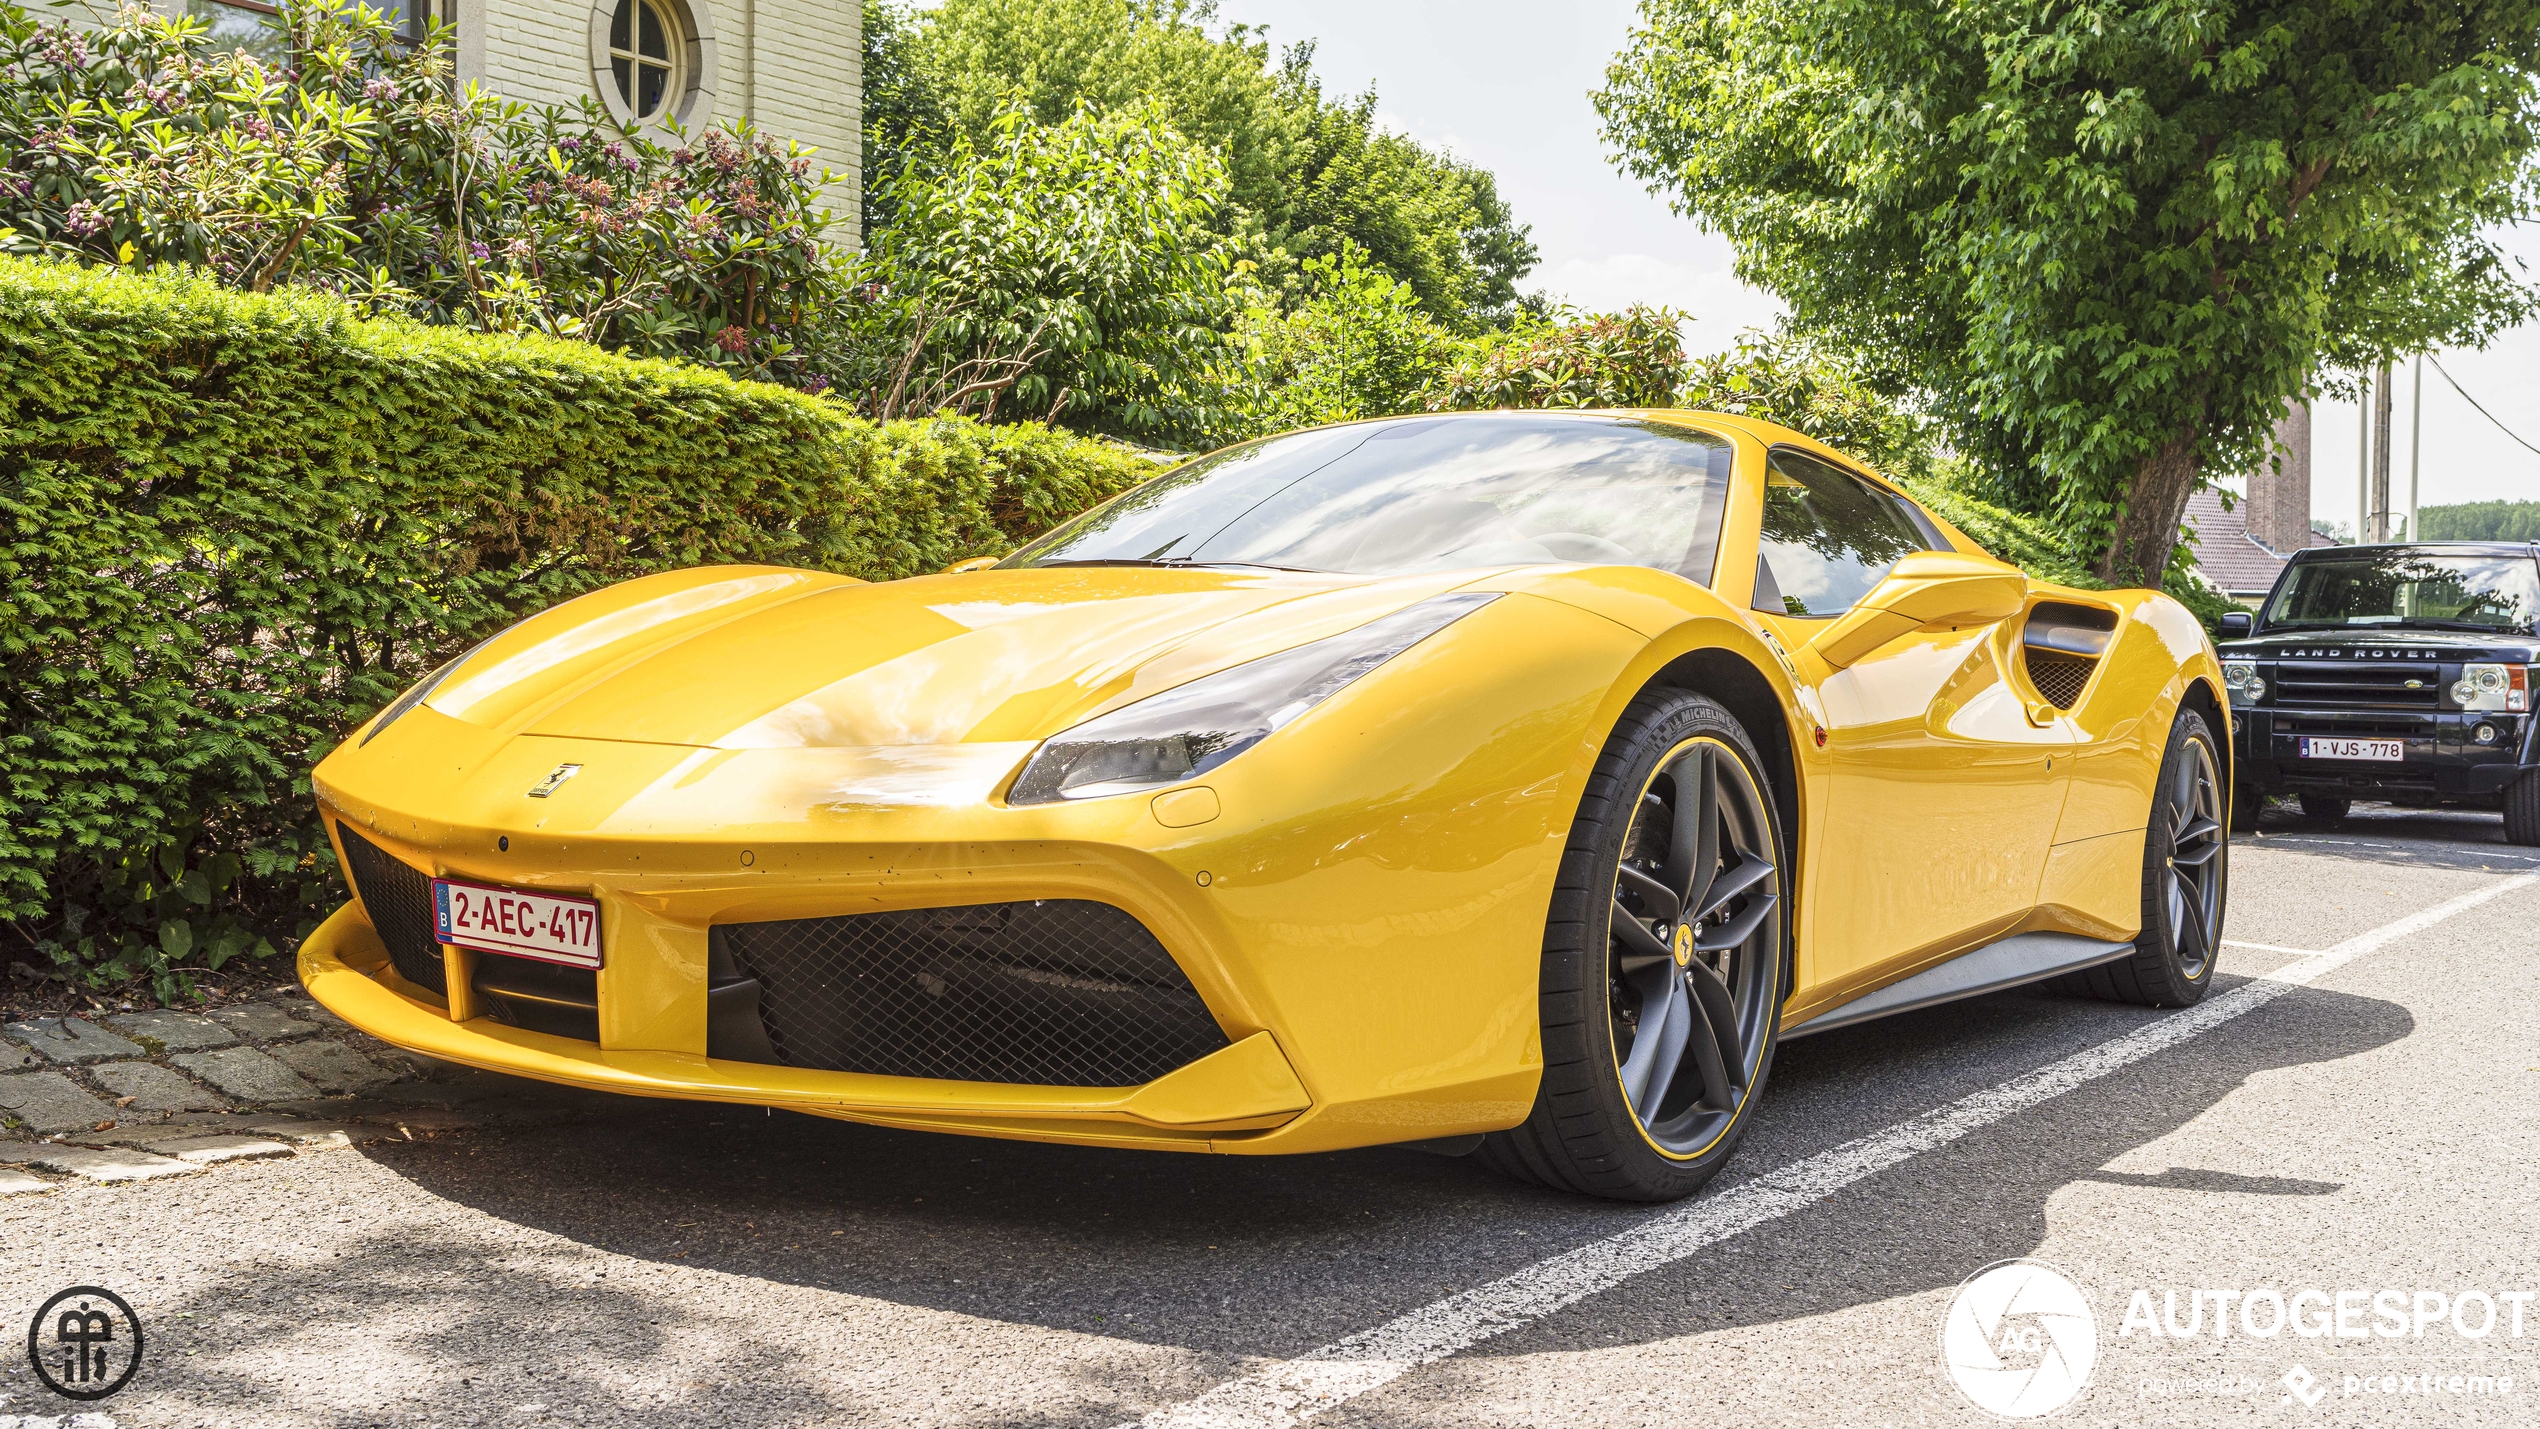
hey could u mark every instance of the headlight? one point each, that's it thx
(2493, 687)
(1187, 731)
(422, 691)
(2241, 678)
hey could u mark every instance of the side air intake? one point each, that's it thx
(2062, 645)
(398, 898)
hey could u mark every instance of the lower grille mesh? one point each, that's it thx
(398, 898)
(1063, 993)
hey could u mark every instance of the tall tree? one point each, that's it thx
(2101, 241)
(1307, 174)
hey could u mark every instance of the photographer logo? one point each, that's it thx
(85, 1343)
(2019, 1339)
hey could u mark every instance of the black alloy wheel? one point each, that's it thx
(1693, 894)
(2186, 880)
(1664, 962)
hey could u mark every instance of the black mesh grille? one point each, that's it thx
(1063, 993)
(2059, 678)
(398, 898)
(2356, 684)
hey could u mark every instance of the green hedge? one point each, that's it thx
(231, 526)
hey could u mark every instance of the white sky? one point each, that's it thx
(1505, 84)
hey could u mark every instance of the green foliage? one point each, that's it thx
(1354, 344)
(1306, 174)
(2102, 242)
(1788, 382)
(2481, 521)
(231, 526)
(1633, 358)
(904, 116)
(359, 171)
(1066, 268)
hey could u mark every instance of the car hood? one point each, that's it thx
(2382, 642)
(755, 657)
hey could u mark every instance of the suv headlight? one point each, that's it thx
(2240, 677)
(2493, 687)
(1191, 729)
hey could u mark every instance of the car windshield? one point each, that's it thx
(1423, 493)
(2403, 586)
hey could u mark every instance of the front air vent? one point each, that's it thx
(540, 997)
(2061, 646)
(1061, 993)
(398, 898)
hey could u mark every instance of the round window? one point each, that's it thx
(644, 58)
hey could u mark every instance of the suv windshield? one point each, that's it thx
(2403, 586)
(1423, 493)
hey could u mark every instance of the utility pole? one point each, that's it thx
(2416, 447)
(2380, 499)
(2363, 456)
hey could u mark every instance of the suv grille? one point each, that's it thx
(1061, 993)
(2344, 685)
(398, 898)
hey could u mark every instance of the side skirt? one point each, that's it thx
(2021, 958)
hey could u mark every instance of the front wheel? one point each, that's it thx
(2326, 808)
(2522, 809)
(2186, 869)
(1663, 962)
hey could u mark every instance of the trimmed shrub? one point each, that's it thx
(233, 525)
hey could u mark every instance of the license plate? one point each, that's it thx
(2387, 750)
(516, 923)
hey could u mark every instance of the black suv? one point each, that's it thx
(2391, 672)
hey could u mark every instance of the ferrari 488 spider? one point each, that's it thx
(1505, 782)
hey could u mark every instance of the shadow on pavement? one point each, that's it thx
(2462, 839)
(1234, 1256)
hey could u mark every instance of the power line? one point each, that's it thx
(2500, 426)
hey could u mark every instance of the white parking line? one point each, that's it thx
(2271, 948)
(1289, 1391)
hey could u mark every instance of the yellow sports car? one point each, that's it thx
(1509, 782)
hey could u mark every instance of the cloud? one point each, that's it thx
(1722, 307)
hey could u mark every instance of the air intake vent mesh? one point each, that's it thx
(1058, 993)
(398, 898)
(2059, 678)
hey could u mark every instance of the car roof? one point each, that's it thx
(2481, 548)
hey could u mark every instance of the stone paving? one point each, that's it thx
(140, 1095)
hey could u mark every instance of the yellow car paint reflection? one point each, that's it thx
(1358, 900)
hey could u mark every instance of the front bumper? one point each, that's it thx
(1246, 1088)
(2444, 761)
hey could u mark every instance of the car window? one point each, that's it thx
(2404, 585)
(1828, 537)
(1425, 493)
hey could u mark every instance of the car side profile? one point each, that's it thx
(1510, 783)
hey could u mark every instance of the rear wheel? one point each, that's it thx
(2326, 808)
(2246, 804)
(2522, 809)
(1663, 962)
(2185, 880)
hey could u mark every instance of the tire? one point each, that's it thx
(2246, 804)
(1631, 863)
(2326, 808)
(2522, 810)
(2186, 883)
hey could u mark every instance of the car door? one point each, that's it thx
(1945, 791)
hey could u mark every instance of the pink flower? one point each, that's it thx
(83, 219)
(734, 340)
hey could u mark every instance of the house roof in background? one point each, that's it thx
(2226, 554)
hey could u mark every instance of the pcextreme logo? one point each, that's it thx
(2019, 1339)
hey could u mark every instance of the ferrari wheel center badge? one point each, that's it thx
(1684, 945)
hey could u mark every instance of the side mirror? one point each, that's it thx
(2236, 624)
(975, 563)
(1926, 588)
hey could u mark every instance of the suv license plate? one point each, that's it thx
(517, 923)
(2387, 750)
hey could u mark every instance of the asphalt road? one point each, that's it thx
(2364, 1124)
